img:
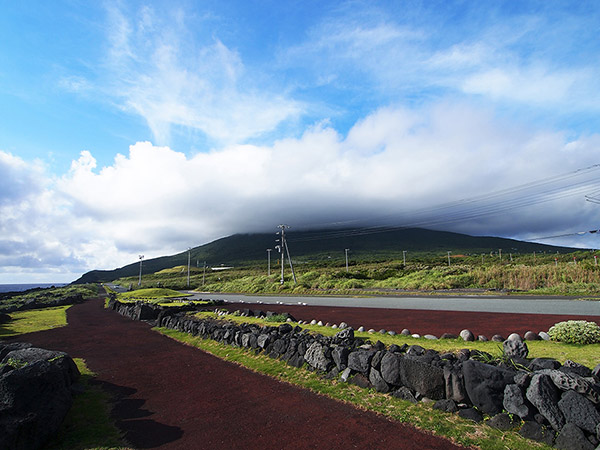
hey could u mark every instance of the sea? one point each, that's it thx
(24, 287)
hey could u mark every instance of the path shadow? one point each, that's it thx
(130, 417)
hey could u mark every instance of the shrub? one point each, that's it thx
(575, 332)
(276, 318)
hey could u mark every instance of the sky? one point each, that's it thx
(131, 127)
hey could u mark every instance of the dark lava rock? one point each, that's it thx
(502, 422)
(580, 411)
(535, 431)
(485, 385)
(471, 414)
(543, 394)
(405, 393)
(572, 438)
(446, 405)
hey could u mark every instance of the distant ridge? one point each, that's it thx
(319, 244)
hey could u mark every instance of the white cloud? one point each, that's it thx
(157, 70)
(392, 168)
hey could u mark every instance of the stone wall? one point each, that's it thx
(547, 401)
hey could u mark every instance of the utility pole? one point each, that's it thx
(500, 254)
(140, 279)
(189, 259)
(404, 257)
(269, 262)
(449, 258)
(204, 273)
(283, 248)
(346, 250)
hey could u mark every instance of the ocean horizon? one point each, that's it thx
(20, 287)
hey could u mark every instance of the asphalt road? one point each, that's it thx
(520, 305)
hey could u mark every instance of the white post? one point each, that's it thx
(346, 250)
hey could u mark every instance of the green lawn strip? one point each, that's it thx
(421, 416)
(88, 424)
(583, 354)
(150, 294)
(34, 320)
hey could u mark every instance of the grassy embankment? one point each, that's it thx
(567, 274)
(45, 297)
(88, 424)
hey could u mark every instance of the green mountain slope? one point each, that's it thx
(242, 249)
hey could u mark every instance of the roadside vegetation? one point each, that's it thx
(572, 274)
(40, 298)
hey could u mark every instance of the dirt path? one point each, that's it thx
(423, 321)
(172, 396)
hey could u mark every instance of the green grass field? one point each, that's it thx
(34, 320)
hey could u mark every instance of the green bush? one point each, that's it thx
(575, 332)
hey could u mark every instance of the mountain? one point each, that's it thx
(241, 249)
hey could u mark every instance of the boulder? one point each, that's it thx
(566, 381)
(360, 380)
(542, 394)
(315, 357)
(515, 348)
(447, 405)
(467, 335)
(360, 360)
(531, 336)
(543, 363)
(390, 368)
(7, 348)
(454, 382)
(377, 381)
(515, 403)
(576, 368)
(485, 385)
(5, 318)
(405, 393)
(421, 377)
(572, 438)
(537, 432)
(580, 411)
(471, 414)
(346, 334)
(544, 336)
(340, 357)
(34, 399)
(501, 422)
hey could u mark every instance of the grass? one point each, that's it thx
(543, 276)
(45, 296)
(88, 424)
(150, 294)
(583, 354)
(422, 416)
(34, 320)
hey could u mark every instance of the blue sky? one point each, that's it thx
(146, 127)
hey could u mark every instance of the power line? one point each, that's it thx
(553, 188)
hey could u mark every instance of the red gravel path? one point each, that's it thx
(423, 321)
(172, 396)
